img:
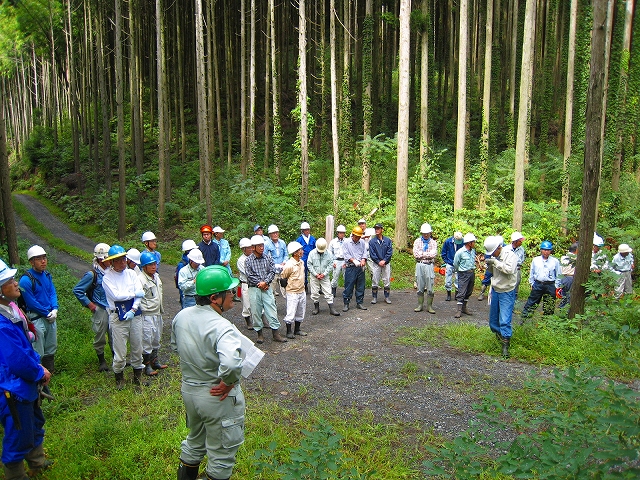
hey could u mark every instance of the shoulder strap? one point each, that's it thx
(33, 281)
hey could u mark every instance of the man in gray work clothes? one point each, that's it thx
(210, 359)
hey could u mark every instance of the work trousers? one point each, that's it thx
(16, 444)
(383, 273)
(337, 271)
(151, 332)
(465, 285)
(263, 301)
(296, 305)
(122, 332)
(246, 301)
(100, 327)
(46, 336)
(353, 277)
(425, 277)
(216, 429)
(545, 291)
(316, 284)
(625, 285)
(501, 312)
(450, 278)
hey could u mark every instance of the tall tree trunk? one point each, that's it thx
(302, 99)
(267, 100)
(424, 89)
(592, 155)
(252, 86)
(163, 114)
(402, 181)
(486, 108)
(345, 104)
(216, 79)
(203, 123)
(180, 54)
(122, 172)
(622, 95)
(243, 87)
(334, 106)
(275, 90)
(513, 59)
(8, 219)
(73, 92)
(367, 105)
(462, 105)
(568, 115)
(524, 114)
(137, 136)
(104, 101)
(229, 78)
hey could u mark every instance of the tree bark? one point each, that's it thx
(122, 172)
(163, 114)
(9, 222)
(302, 99)
(203, 123)
(486, 108)
(462, 105)
(524, 113)
(334, 106)
(367, 105)
(424, 91)
(401, 231)
(252, 86)
(275, 91)
(592, 155)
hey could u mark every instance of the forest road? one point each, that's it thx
(356, 360)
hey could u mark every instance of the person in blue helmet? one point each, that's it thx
(151, 309)
(21, 376)
(544, 277)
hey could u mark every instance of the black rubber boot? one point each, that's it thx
(505, 347)
(333, 291)
(465, 310)
(297, 331)
(374, 295)
(458, 311)
(448, 295)
(102, 367)
(119, 381)
(37, 461)
(289, 332)
(481, 296)
(187, 471)
(15, 471)
(249, 323)
(316, 308)
(48, 362)
(277, 337)
(155, 363)
(137, 378)
(333, 311)
(148, 370)
(346, 307)
(260, 337)
(387, 291)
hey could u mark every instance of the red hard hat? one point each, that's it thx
(206, 229)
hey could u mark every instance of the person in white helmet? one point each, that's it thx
(90, 294)
(425, 249)
(133, 260)
(599, 260)
(247, 249)
(293, 271)
(380, 252)
(151, 245)
(41, 300)
(516, 247)
(464, 262)
(275, 247)
(320, 264)
(623, 264)
(187, 246)
(260, 273)
(335, 249)
(187, 277)
(503, 265)
(308, 243)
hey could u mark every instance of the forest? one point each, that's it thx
(470, 114)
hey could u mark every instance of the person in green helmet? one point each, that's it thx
(211, 360)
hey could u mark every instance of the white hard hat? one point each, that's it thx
(425, 228)
(245, 242)
(369, 232)
(195, 256)
(469, 237)
(188, 245)
(457, 236)
(35, 251)
(341, 229)
(492, 243)
(147, 236)
(6, 273)
(516, 236)
(101, 251)
(321, 245)
(304, 226)
(293, 247)
(257, 240)
(597, 240)
(624, 248)
(218, 229)
(133, 254)
(362, 220)
(272, 229)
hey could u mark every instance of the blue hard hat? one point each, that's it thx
(546, 245)
(147, 258)
(116, 251)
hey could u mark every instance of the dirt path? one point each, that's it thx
(354, 359)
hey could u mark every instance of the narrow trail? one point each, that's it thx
(355, 359)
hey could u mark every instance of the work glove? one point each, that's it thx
(139, 294)
(490, 261)
(559, 293)
(53, 314)
(129, 315)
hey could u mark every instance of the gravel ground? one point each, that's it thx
(353, 359)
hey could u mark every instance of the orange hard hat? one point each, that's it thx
(442, 270)
(206, 229)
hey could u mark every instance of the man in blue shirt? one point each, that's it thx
(41, 299)
(544, 277)
(464, 262)
(308, 243)
(449, 248)
(90, 294)
(209, 248)
(277, 249)
(380, 251)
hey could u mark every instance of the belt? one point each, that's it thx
(188, 295)
(547, 282)
(339, 258)
(252, 285)
(426, 262)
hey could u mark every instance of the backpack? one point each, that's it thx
(20, 301)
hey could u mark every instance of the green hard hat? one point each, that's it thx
(214, 279)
